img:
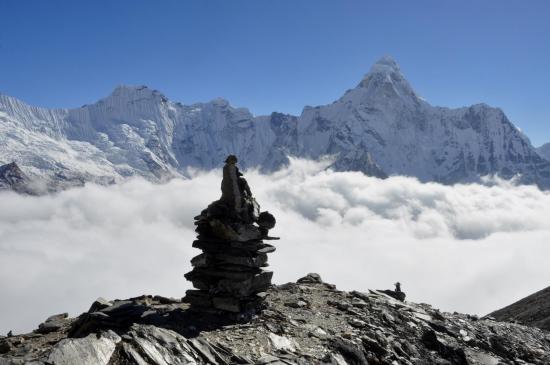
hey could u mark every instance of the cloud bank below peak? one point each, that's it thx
(471, 248)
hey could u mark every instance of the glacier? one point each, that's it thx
(381, 127)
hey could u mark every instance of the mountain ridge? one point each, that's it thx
(306, 322)
(544, 151)
(533, 310)
(12, 178)
(380, 127)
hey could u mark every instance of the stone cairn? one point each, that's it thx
(228, 276)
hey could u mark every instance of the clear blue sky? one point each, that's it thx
(279, 55)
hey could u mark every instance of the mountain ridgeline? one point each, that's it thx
(533, 310)
(544, 151)
(306, 322)
(381, 127)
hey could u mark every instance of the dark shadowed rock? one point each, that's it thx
(533, 310)
(396, 293)
(12, 178)
(352, 352)
(312, 278)
(455, 355)
(99, 304)
(53, 323)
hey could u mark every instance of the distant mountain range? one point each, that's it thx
(381, 127)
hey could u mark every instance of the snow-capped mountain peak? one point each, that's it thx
(133, 94)
(386, 65)
(385, 81)
(380, 127)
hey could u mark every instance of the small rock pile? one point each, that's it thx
(229, 275)
(396, 294)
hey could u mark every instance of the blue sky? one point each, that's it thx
(279, 55)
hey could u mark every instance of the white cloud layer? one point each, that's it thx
(469, 248)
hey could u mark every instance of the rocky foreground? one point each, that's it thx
(307, 322)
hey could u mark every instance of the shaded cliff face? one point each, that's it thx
(381, 127)
(544, 151)
(308, 322)
(533, 310)
(12, 178)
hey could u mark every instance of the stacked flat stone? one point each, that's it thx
(229, 275)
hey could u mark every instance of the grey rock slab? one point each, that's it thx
(334, 359)
(159, 346)
(266, 248)
(57, 317)
(99, 304)
(207, 351)
(91, 350)
(297, 304)
(318, 332)
(312, 278)
(478, 357)
(274, 360)
(48, 327)
(359, 303)
(282, 343)
(52, 323)
(361, 295)
(357, 323)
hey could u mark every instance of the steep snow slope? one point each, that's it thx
(381, 127)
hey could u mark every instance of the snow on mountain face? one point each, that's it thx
(381, 127)
(544, 151)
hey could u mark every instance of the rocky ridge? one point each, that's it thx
(12, 178)
(381, 127)
(307, 322)
(533, 310)
(544, 151)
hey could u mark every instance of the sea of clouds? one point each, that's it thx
(469, 248)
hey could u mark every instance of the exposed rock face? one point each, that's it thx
(533, 310)
(544, 151)
(229, 275)
(381, 127)
(308, 322)
(12, 178)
